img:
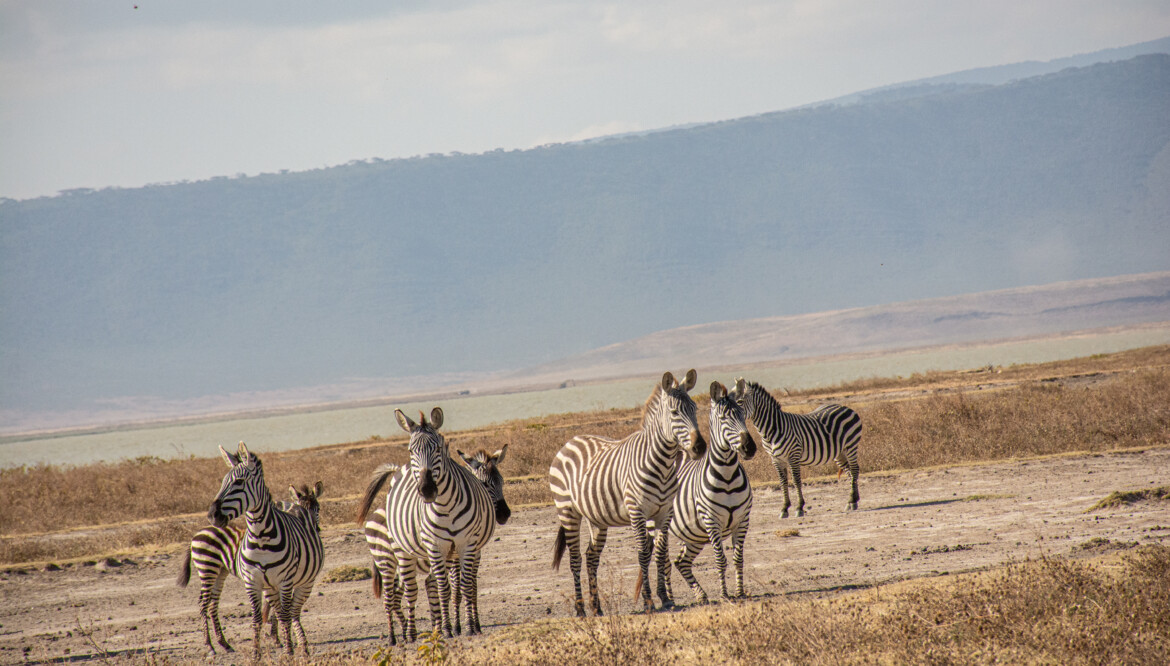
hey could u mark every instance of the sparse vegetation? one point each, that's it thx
(1107, 610)
(1091, 404)
(346, 573)
(1123, 497)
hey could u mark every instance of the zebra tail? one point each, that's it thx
(375, 486)
(559, 549)
(377, 583)
(185, 571)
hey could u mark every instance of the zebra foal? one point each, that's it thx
(280, 552)
(830, 432)
(632, 481)
(214, 552)
(714, 497)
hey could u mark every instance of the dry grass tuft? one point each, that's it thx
(791, 532)
(1126, 497)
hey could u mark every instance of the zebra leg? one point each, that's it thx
(593, 560)
(299, 596)
(645, 552)
(854, 471)
(439, 569)
(285, 610)
(470, 571)
(799, 487)
(270, 617)
(432, 590)
(684, 562)
(255, 596)
(782, 470)
(662, 563)
(409, 583)
(737, 540)
(391, 597)
(715, 536)
(209, 590)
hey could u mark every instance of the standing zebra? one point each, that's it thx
(214, 552)
(386, 571)
(632, 481)
(714, 498)
(280, 552)
(830, 432)
(437, 510)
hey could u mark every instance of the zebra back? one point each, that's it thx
(806, 439)
(597, 477)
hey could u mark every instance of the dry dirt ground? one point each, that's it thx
(911, 524)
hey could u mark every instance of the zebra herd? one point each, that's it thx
(437, 515)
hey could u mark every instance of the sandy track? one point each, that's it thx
(912, 524)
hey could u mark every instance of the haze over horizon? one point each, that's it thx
(127, 94)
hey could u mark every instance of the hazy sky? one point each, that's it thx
(125, 93)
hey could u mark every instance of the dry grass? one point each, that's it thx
(1124, 497)
(1115, 401)
(1051, 611)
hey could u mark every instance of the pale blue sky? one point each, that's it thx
(94, 94)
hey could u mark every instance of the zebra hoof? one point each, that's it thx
(784, 513)
(800, 513)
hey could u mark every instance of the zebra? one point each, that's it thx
(279, 552)
(830, 432)
(214, 554)
(632, 481)
(437, 511)
(386, 573)
(714, 497)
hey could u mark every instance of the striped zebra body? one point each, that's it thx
(447, 532)
(213, 554)
(388, 583)
(714, 499)
(280, 552)
(614, 483)
(830, 432)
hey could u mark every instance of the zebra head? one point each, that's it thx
(728, 426)
(428, 450)
(675, 412)
(307, 499)
(486, 469)
(242, 488)
(747, 395)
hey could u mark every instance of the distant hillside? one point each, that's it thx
(474, 263)
(1010, 313)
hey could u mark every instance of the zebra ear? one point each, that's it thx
(466, 458)
(691, 378)
(718, 391)
(318, 488)
(404, 421)
(740, 386)
(437, 418)
(243, 451)
(499, 455)
(667, 381)
(292, 491)
(230, 459)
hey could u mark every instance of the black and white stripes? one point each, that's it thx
(714, 497)
(830, 432)
(632, 481)
(280, 551)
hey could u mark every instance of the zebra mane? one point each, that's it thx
(651, 404)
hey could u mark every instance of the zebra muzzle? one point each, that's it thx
(503, 513)
(747, 447)
(216, 516)
(698, 445)
(427, 487)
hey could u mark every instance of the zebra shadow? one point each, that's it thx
(915, 505)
